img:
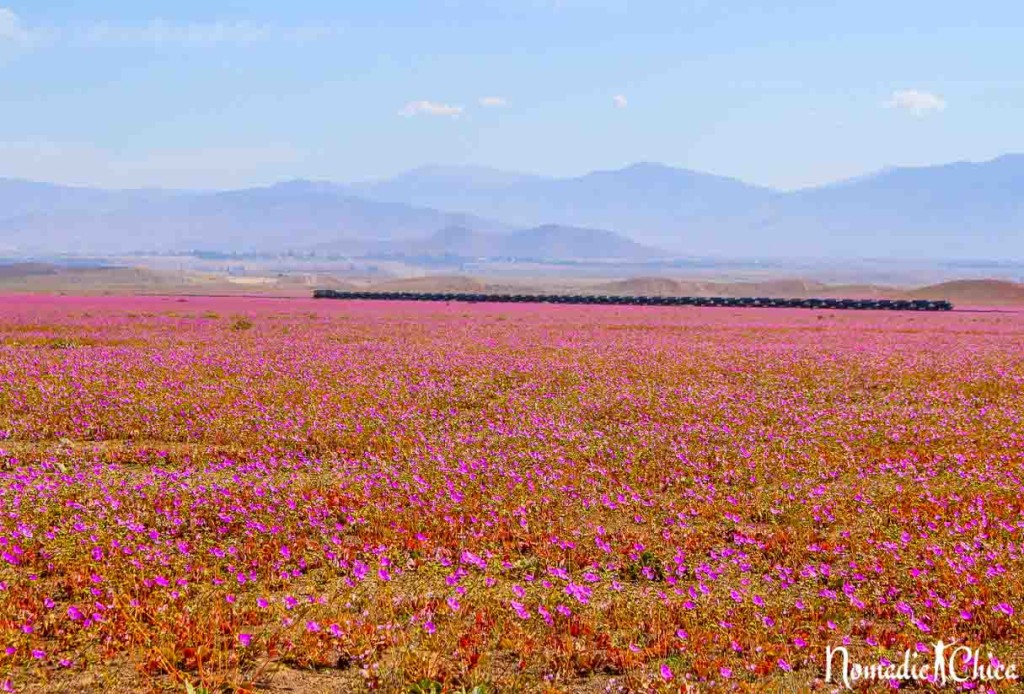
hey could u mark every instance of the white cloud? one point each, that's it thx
(493, 101)
(916, 101)
(11, 28)
(429, 108)
(620, 101)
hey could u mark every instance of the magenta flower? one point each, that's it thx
(581, 593)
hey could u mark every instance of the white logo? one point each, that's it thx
(947, 664)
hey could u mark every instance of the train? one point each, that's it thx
(613, 300)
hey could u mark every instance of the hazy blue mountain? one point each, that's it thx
(286, 216)
(651, 203)
(442, 180)
(959, 210)
(558, 241)
(443, 187)
(954, 210)
(18, 198)
(547, 242)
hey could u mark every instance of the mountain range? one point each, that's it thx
(644, 211)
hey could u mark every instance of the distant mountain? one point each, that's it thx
(22, 198)
(549, 242)
(294, 215)
(650, 203)
(959, 210)
(954, 211)
(434, 180)
(557, 241)
(287, 216)
(444, 187)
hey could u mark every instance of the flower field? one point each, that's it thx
(212, 493)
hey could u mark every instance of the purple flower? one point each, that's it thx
(520, 609)
(581, 593)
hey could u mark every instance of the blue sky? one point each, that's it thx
(199, 93)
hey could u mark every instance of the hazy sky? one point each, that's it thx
(204, 93)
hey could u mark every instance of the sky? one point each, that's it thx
(788, 94)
